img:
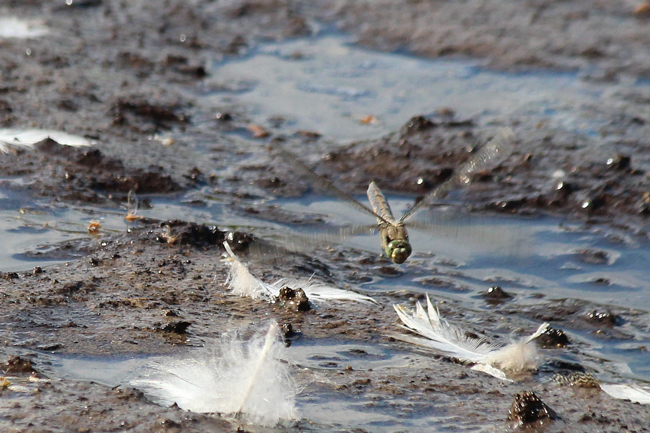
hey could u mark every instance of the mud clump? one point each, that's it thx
(422, 155)
(160, 115)
(82, 173)
(17, 365)
(495, 295)
(619, 162)
(529, 409)
(417, 124)
(596, 257)
(552, 337)
(197, 235)
(604, 318)
(293, 299)
(287, 330)
(175, 327)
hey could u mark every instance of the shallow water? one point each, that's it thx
(331, 86)
(535, 259)
(316, 401)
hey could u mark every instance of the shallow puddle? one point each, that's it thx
(315, 402)
(346, 92)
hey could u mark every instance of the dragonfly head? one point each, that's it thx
(398, 250)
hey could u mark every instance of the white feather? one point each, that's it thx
(28, 137)
(621, 391)
(241, 379)
(320, 293)
(241, 282)
(489, 358)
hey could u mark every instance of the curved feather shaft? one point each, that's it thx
(271, 337)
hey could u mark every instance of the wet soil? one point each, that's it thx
(576, 35)
(549, 174)
(135, 293)
(123, 73)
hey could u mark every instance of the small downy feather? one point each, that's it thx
(26, 138)
(489, 358)
(243, 379)
(241, 282)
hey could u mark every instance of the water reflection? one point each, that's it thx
(330, 86)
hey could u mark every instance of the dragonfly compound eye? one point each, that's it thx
(398, 251)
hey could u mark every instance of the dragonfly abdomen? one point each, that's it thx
(380, 204)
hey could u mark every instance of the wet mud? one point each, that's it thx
(131, 75)
(546, 174)
(134, 294)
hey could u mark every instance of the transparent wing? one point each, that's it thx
(452, 231)
(499, 147)
(276, 246)
(321, 182)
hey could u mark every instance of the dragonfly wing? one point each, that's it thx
(497, 238)
(319, 181)
(497, 148)
(274, 246)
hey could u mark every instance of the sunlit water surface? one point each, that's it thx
(346, 92)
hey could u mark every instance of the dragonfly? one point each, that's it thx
(393, 232)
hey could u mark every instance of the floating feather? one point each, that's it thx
(490, 358)
(29, 137)
(241, 282)
(243, 379)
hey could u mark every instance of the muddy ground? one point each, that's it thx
(120, 72)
